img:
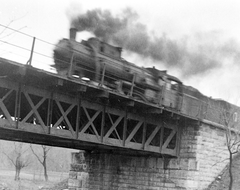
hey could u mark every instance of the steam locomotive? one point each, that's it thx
(101, 64)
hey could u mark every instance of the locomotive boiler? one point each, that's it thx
(101, 64)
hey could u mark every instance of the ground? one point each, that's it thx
(63, 185)
(32, 181)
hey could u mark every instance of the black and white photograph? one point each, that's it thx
(119, 95)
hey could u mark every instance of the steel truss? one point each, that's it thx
(41, 111)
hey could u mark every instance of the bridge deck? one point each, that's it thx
(41, 107)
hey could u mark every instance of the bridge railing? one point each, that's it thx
(23, 48)
(213, 110)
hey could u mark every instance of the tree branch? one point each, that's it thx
(36, 155)
(220, 162)
(12, 161)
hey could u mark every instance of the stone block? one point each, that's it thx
(73, 174)
(78, 157)
(184, 164)
(160, 163)
(79, 167)
(178, 174)
(173, 164)
(191, 184)
(74, 183)
(152, 162)
(72, 188)
(193, 164)
(82, 176)
(169, 185)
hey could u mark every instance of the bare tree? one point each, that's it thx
(43, 158)
(18, 158)
(7, 32)
(232, 140)
(233, 144)
(8, 25)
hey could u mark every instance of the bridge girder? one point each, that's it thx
(29, 109)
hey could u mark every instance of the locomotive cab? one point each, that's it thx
(172, 93)
(170, 89)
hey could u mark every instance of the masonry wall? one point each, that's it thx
(202, 152)
(211, 154)
(113, 171)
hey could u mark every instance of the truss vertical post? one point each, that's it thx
(103, 123)
(180, 101)
(144, 134)
(103, 74)
(18, 104)
(78, 115)
(200, 106)
(206, 113)
(49, 112)
(71, 66)
(178, 141)
(132, 85)
(161, 136)
(125, 127)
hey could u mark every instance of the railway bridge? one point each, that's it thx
(124, 143)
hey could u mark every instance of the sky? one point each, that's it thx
(196, 40)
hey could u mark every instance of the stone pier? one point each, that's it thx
(200, 161)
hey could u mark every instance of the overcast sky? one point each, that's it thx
(206, 31)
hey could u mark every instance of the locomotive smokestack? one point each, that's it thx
(72, 33)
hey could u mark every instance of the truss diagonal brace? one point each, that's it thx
(150, 138)
(169, 138)
(134, 131)
(90, 122)
(64, 115)
(5, 111)
(34, 108)
(113, 126)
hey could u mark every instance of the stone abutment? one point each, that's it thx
(201, 159)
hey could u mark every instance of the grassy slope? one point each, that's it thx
(221, 183)
(27, 181)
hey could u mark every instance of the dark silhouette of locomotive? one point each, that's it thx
(101, 64)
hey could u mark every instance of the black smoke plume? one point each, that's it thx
(191, 57)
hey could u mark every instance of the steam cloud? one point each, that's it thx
(191, 55)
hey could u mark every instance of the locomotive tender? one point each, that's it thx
(101, 64)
